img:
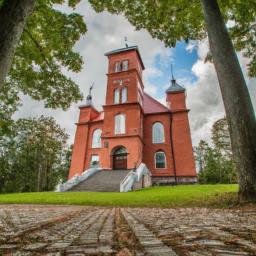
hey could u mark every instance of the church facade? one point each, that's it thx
(133, 127)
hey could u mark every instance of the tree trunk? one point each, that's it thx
(39, 178)
(236, 98)
(13, 15)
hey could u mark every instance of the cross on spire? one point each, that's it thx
(89, 96)
(125, 40)
(90, 89)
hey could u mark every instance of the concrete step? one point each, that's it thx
(102, 181)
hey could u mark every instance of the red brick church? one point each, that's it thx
(133, 127)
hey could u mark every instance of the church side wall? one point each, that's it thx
(182, 144)
(150, 148)
(79, 150)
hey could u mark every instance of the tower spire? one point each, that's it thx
(89, 96)
(173, 81)
(172, 72)
(174, 87)
(125, 40)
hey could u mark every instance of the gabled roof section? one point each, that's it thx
(150, 105)
(174, 87)
(128, 48)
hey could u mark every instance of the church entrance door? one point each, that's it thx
(120, 159)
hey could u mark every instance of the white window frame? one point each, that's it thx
(116, 96)
(95, 158)
(96, 138)
(125, 65)
(120, 120)
(160, 152)
(156, 133)
(118, 66)
(124, 89)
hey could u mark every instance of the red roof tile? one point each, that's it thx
(150, 105)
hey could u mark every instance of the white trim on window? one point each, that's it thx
(120, 124)
(96, 138)
(162, 162)
(116, 96)
(125, 64)
(158, 133)
(118, 66)
(95, 161)
(124, 94)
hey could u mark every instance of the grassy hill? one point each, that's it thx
(167, 196)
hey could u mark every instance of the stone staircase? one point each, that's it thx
(102, 181)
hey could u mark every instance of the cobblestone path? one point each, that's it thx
(74, 230)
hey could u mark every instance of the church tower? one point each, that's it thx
(184, 164)
(123, 112)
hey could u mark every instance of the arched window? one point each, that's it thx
(124, 94)
(96, 139)
(120, 124)
(116, 96)
(158, 133)
(160, 160)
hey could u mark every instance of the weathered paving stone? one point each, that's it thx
(7, 246)
(77, 231)
(151, 244)
(34, 246)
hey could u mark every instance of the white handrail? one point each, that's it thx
(76, 179)
(135, 176)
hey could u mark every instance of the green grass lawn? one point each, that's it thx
(167, 196)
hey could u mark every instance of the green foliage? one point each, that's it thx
(44, 51)
(216, 163)
(165, 196)
(175, 20)
(243, 32)
(35, 157)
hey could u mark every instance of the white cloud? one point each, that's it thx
(106, 32)
(204, 96)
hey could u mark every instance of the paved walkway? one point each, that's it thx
(74, 230)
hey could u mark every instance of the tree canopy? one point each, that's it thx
(175, 20)
(35, 158)
(215, 163)
(46, 49)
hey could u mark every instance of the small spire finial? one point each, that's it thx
(89, 96)
(90, 89)
(172, 72)
(125, 40)
(173, 81)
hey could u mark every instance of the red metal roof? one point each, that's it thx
(150, 105)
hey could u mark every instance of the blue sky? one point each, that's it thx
(182, 60)
(106, 32)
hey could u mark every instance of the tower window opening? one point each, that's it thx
(124, 65)
(124, 94)
(118, 66)
(116, 96)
